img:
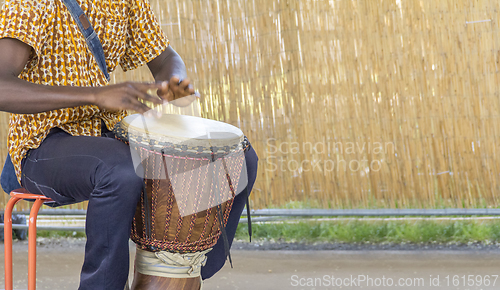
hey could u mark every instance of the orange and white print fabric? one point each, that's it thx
(130, 35)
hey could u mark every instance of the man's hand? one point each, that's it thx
(178, 92)
(127, 96)
(169, 66)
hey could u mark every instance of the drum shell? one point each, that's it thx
(158, 222)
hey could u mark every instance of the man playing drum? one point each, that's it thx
(63, 110)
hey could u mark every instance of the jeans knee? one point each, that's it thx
(122, 182)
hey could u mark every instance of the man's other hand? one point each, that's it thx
(178, 92)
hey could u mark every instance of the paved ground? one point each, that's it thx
(59, 264)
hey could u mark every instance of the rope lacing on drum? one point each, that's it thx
(147, 205)
(227, 250)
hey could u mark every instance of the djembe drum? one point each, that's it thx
(191, 168)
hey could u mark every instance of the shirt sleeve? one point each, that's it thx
(145, 39)
(25, 20)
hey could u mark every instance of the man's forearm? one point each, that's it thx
(22, 97)
(167, 65)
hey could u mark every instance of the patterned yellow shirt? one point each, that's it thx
(130, 36)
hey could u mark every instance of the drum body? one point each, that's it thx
(191, 168)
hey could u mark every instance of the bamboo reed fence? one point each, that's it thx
(350, 103)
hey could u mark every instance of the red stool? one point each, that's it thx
(17, 195)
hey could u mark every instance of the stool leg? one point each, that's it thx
(7, 235)
(32, 245)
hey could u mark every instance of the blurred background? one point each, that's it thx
(350, 104)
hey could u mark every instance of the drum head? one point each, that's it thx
(183, 130)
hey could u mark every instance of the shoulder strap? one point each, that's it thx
(93, 42)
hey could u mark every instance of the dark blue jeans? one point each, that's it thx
(72, 169)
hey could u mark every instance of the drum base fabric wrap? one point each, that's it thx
(170, 265)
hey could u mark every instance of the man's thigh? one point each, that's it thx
(68, 168)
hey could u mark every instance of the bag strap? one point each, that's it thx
(91, 38)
